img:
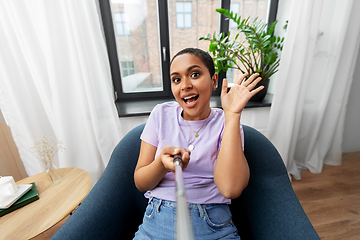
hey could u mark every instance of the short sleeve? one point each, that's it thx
(151, 130)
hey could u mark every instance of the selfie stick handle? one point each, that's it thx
(183, 224)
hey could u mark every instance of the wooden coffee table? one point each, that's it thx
(55, 203)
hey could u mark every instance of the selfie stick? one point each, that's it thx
(183, 225)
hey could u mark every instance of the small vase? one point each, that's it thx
(53, 174)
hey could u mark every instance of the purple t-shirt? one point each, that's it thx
(166, 126)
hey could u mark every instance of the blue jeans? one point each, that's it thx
(209, 221)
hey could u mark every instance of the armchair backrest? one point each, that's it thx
(267, 209)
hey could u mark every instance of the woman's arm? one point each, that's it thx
(231, 172)
(149, 172)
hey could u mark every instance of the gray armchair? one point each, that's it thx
(267, 209)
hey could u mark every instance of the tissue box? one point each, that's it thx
(29, 197)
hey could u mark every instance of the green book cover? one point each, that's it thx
(29, 197)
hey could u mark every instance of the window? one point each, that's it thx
(205, 20)
(234, 7)
(121, 24)
(142, 36)
(127, 68)
(183, 14)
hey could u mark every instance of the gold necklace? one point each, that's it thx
(191, 145)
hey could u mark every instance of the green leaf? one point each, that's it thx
(258, 52)
(272, 27)
(212, 47)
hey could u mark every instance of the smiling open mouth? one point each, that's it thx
(190, 99)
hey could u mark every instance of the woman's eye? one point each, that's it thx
(195, 74)
(176, 80)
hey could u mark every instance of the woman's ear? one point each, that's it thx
(214, 80)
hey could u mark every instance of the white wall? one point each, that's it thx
(128, 123)
(351, 137)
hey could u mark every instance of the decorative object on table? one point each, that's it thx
(257, 53)
(7, 186)
(28, 196)
(10, 192)
(45, 150)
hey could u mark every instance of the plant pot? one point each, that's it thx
(261, 95)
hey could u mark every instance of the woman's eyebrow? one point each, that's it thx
(193, 66)
(188, 69)
(174, 73)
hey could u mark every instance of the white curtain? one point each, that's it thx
(55, 81)
(311, 93)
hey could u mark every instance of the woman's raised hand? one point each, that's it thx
(240, 93)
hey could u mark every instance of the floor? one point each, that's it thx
(332, 199)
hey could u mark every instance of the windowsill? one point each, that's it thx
(133, 108)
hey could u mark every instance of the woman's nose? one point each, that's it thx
(186, 84)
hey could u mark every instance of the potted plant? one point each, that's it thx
(257, 53)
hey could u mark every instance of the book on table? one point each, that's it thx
(31, 196)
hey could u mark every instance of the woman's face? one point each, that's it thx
(192, 85)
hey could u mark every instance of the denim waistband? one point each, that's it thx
(192, 206)
(158, 201)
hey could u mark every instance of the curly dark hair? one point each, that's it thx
(204, 57)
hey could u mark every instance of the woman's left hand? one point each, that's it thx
(240, 93)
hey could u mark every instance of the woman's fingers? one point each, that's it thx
(256, 90)
(248, 81)
(241, 79)
(224, 87)
(254, 77)
(253, 84)
(185, 155)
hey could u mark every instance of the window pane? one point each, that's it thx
(205, 19)
(124, 73)
(138, 46)
(245, 8)
(180, 20)
(117, 17)
(126, 30)
(123, 65)
(179, 7)
(119, 29)
(234, 7)
(187, 20)
(187, 7)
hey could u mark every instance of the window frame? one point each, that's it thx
(106, 15)
(110, 39)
